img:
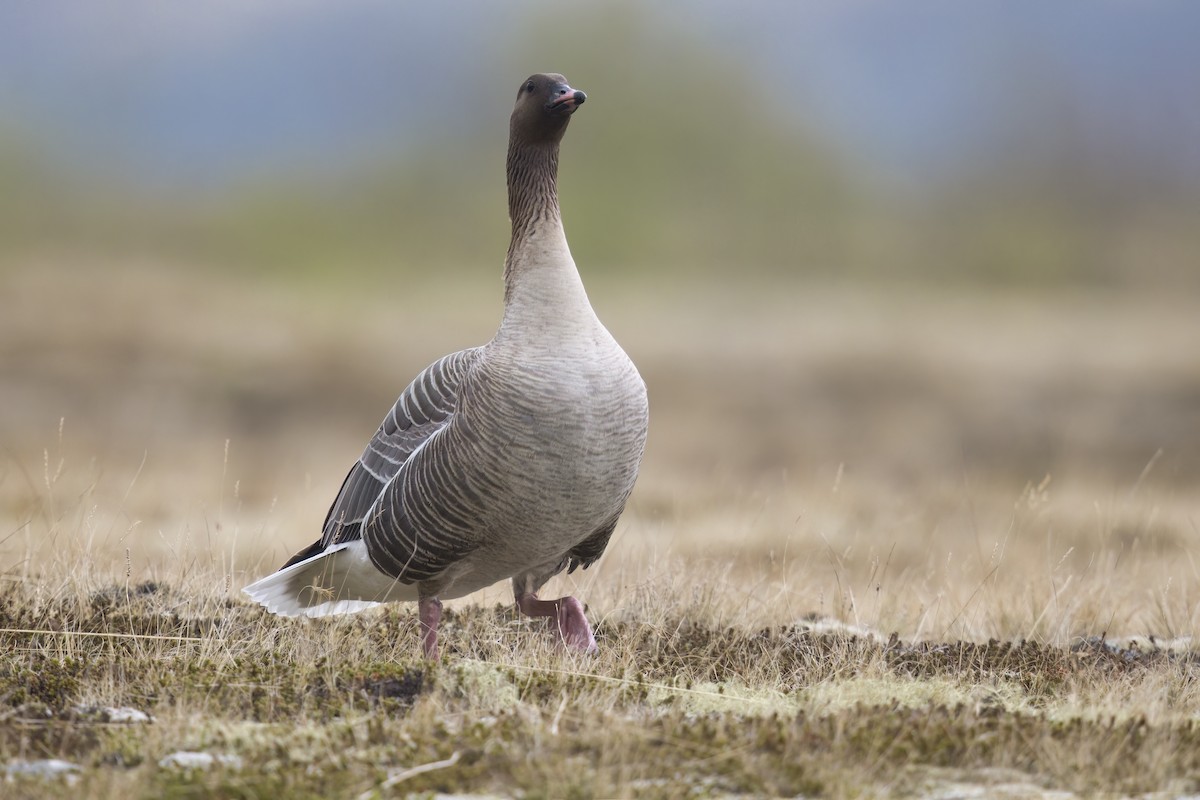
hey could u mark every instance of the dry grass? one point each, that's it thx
(884, 543)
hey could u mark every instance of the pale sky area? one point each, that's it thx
(196, 93)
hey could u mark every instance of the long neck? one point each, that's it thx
(540, 279)
(532, 187)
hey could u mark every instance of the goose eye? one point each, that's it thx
(529, 86)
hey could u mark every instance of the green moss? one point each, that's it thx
(686, 710)
(49, 682)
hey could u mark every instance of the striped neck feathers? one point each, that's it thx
(539, 272)
(532, 197)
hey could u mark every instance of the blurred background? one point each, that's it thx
(929, 249)
(1000, 142)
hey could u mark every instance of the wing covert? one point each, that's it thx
(423, 408)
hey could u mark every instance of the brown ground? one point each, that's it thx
(942, 465)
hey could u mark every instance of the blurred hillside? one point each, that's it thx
(993, 146)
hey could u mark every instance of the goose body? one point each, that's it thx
(509, 460)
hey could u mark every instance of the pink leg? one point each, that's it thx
(572, 624)
(429, 609)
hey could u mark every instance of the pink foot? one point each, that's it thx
(429, 609)
(573, 626)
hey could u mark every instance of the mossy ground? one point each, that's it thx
(681, 709)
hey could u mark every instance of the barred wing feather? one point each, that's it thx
(423, 408)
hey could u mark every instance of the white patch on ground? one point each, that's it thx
(1003, 784)
(127, 715)
(1151, 644)
(827, 625)
(187, 759)
(1000, 791)
(42, 768)
(120, 714)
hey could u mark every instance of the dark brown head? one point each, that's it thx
(545, 103)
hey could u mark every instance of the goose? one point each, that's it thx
(510, 460)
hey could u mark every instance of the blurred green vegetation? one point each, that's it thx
(680, 162)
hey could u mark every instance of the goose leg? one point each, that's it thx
(568, 611)
(429, 609)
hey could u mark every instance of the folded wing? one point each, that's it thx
(423, 408)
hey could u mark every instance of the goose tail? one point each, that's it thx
(337, 580)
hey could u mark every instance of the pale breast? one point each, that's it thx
(564, 437)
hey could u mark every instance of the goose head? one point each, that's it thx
(545, 103)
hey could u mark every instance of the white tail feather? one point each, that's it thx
(339, 580)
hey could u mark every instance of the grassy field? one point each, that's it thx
(890, 541)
